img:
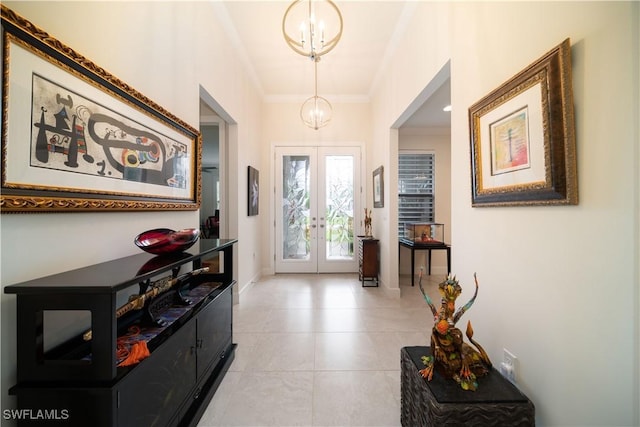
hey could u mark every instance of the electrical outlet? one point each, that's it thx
(508, 365)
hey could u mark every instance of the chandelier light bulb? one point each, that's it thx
(321, 25)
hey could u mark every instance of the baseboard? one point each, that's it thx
(389, 291)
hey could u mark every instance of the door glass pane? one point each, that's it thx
(295, 207)
(339, 207)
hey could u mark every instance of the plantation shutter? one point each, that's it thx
(416, 176)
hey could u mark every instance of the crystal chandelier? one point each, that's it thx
(304, 25)
(316, 111)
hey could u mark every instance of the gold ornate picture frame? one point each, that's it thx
(76, 138)
(523, 148)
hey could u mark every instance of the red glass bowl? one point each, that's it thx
(164, 241)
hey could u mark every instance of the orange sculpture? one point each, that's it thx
(452, 357)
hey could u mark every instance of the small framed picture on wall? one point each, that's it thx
(254, 193)
(378, 187)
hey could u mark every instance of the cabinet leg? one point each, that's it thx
(413, 265)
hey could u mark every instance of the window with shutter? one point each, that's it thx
(416, 177)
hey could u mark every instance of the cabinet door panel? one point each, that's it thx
(214, 330)
(150, 395)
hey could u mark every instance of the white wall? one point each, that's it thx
(553, 278)
(351, 125)
(423, 51)
(558, 285)
(166, 50)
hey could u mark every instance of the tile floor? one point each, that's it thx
(319, 350)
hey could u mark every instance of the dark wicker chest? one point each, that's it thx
(441, 402)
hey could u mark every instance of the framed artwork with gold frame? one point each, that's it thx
(76, 138)
(523, 147)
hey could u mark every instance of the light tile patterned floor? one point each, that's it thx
(319, 350)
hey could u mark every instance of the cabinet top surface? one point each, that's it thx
(493, 388)
(112, 276)
(422, 245)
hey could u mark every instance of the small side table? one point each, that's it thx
(368, 259)
(417, 246)
(442, 402)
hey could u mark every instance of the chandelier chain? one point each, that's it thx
(315, 112)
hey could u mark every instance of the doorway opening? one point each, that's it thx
(212, 129)
(424, 140)
(219, 146)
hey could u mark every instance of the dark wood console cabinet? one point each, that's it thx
(368, 259)
(77, 382)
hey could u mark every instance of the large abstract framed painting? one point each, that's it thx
(75, 138)
(523, 148)
(253, 201)
(378, 187)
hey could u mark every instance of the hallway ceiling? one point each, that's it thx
(349, 73)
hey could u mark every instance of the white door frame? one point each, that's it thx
(318, 233)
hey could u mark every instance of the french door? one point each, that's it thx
(317, 207)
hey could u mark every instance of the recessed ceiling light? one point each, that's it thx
(447, 108)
